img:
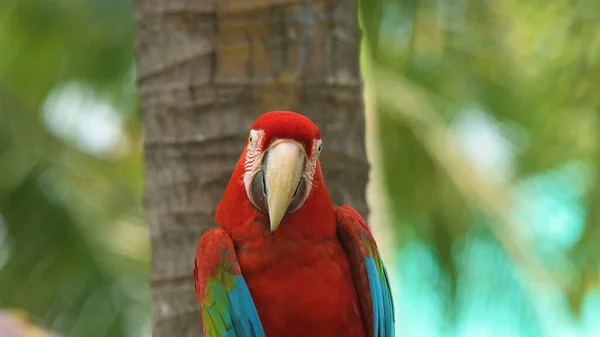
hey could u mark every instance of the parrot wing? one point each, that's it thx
(225, 302)
(368, 271)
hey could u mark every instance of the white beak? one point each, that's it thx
(283, 169)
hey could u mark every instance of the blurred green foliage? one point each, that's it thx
(73, 244)
(513, 85)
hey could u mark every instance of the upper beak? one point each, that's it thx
(283, 168)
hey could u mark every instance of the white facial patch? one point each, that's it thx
(312, 164)
(253, 156)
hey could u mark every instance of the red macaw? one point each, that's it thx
(283, 261)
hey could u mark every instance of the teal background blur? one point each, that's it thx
(511, 85)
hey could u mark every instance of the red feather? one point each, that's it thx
(359, 244)
(215, 249)
(350, 223)
(299, 276)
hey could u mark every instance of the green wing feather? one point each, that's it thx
(225, 302)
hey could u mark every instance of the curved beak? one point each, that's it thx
(283, 166)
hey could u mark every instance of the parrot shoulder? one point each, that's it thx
(226, 305)
(369, 273)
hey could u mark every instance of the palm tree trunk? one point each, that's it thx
(206, 70)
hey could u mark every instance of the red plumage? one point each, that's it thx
(299, 276)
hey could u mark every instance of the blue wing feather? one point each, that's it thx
(383, 309)
(225, 301)
(369, 273)
(239, 317)
(244, 311)
(375, 293)
(251, 322)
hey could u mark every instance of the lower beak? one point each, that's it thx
(283, 168)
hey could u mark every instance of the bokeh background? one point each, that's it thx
(484, 128)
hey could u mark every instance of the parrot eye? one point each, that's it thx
(319, 147)
(253, 139)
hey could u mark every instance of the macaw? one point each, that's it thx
(283, 261)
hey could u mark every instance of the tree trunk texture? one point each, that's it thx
(206, 70)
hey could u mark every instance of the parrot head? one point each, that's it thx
(280, 163)
(279, 170)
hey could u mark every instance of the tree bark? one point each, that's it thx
(206, 70)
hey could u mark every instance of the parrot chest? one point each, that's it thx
(302, 288)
